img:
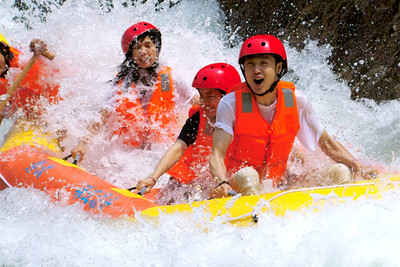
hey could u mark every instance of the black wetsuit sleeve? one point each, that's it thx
(189, 131)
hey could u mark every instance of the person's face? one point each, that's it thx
(261, 71)
(2, 64)
(209, 99)
(144, 53)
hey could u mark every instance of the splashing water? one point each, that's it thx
(86, 40)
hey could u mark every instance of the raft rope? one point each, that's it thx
(5, 181)
(75, 160)
(141, 192)
(254, 214)
(316, 188)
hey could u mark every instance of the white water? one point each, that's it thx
(86, 41)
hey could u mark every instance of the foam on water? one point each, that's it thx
(86, 41)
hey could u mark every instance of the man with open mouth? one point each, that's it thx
(257, 124)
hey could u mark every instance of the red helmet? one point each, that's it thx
(218, 75)
(263, 44)
(133, 32)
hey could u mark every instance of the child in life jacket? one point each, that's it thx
(147, 94)
(34, 87)
(186, 161)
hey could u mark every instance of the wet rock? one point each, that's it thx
(364, 36)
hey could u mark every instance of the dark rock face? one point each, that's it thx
(364, 36)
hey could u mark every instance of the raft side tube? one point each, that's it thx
(30, 166)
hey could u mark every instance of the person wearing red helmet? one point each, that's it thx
(147, 94)
(186, 161)
(257, 124)
(34, 86)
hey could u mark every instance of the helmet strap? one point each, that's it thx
(270, 90)
(283, 72)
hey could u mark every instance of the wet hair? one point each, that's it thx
(128, 70)
(222, 91)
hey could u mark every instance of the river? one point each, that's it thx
(85, 38)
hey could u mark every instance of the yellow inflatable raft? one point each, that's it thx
(28, 159)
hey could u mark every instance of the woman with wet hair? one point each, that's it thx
(147, 94)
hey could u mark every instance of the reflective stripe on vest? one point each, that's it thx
(256, 143)
(156, 123)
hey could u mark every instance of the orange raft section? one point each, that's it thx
(24, 164)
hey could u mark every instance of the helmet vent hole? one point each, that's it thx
(135, 29)
(263, 44)
(195, 78)
(212, 67)
(223, 66)
(145, 24)
(204, 78)
(249, 45)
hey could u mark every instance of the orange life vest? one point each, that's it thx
(157, 123)
(257, 144)
(32, 88)
(197, 155)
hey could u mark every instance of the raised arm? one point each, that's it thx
(221, 141)
(94, 128)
